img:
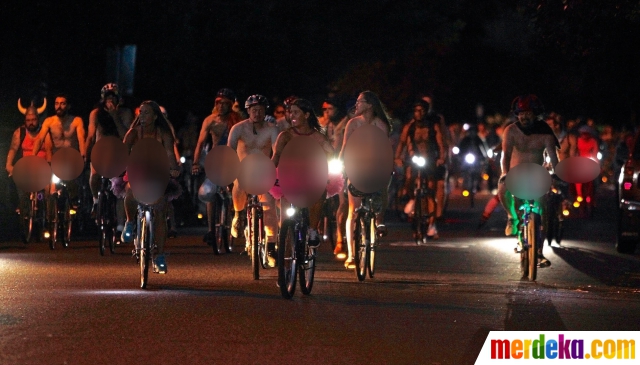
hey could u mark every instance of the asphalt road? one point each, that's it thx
(430, 304)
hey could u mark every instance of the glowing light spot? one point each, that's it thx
(576, 205)
(465, 193)
(565, 212)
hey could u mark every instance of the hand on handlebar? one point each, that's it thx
(195, 169)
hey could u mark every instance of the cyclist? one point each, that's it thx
(254, 135)
(369, 111)
(151, 123)
(217, 125)
(22, 143)
(525, 141)
(109, 118)
(422, 136)
(65, 130)
(305, 123)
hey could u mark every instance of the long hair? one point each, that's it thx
(378, 108)
(161, 122)
(307, 107)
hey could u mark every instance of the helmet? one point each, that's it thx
(288, 101)
(109, 89)
(526, 103)
(226, 93)
(256, 100)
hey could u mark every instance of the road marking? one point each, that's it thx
(428, 244)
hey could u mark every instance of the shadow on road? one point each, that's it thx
(530, 309)
(608, 269)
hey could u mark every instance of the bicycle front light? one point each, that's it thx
(335, 167)
(470, 158)
(419, 160)
(55, 179)
(291, 211)
(182, 159)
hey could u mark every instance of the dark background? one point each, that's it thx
(579, 57)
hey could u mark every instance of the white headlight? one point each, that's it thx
(470, 158)
(291, 211)
(335, 166)
(455, 150)
(490, 153)
(599, 155)
(182, 159)
(547, 159)
(465, 126)
(54, 179)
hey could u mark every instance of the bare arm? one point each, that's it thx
(130, 139)
(573, 145)
(48, 148)
(91, 135)
(81, 136)
(44, 131)
(123, 120)
(234, 136)
(13, 149)
(281, 141)
(201, 139)
(507, 149)
(170, 148)
(402, 143)
(347, 133)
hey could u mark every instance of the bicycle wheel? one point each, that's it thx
(27, 217)
(67, 222)
(362, 252)
(226, 226)
(532, 238)
(255, 247)
(102, 242)
(371, 262)
(287, 261)
(145, 252)
(217, 221)
(417, 218)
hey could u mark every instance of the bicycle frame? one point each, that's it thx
(422, 192)
(106, 217)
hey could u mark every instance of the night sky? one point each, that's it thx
(577, 56)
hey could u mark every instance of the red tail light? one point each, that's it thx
(627, 186)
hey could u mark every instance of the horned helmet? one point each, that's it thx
(32, 108)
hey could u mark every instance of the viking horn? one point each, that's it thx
(22, 109)
(41, 109)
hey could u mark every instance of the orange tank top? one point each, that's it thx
(27, 147)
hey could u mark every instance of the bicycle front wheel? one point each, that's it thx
(371, 263)
(66, 223)
(533, 240)
(307, 269)
(287, 262)
(255, 247)
(27, 218)
(361, 250)
(145, 252)
(218, 230)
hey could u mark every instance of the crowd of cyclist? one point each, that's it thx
(445, 150)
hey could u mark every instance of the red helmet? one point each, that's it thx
(527, 103)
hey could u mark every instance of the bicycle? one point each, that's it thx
(365, 233)
(106, 218)
(422, 191)
(295, 256)
(32, 216)
(255, 235)
(222, 217)
(529, 238)
(61, 214)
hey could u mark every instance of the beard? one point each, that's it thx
(61, 113)
(32, 127)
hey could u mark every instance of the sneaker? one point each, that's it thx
(338, 248)
(432, 231)
(381, 230)
(159, 265)
(512, 227)
(209, 238)
(127, 233)
(543, 261)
